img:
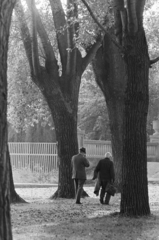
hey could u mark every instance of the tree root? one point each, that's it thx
(84, 194)
(55, 195)
(15, 198)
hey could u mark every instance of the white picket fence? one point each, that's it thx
(42, 157)
(97, 148)
(36, 156)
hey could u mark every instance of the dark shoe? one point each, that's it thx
(78, 203)
(101, 201)
(106, 203)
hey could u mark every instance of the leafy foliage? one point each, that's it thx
(26, 105)
(89, 30)
(151, 22)
(93, 115)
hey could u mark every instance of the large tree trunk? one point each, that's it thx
(124, 82)
(66, 132)
(134, 196)
(131, 43)
(6, 8)
(14, 197)
(109, 69)
(115, 107)
(64, 114)
(5, 219)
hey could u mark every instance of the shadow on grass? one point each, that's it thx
(112, 226)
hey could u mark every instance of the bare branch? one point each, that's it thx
(139, 10)
(25, 34)
(51, 61)
(60, 26)
(154, 61)
(35, 53)
(118, 25)
(124, 21)
(72, 33)
(90, 54)
(132, 17)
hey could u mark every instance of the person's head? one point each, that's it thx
(83, 151)
(108, 155)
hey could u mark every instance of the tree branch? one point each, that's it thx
(124, 20)
(118, 26)
(25, 34)
(35, 53)
(72, 33)
(120, 16)
(100, 26)
(154, 61)
(132, 17)
(51, 62)
(60, 26)
(90, 54)
(93, 16)
(139, 11)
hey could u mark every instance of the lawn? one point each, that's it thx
(44, 219)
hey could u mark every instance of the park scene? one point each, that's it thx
(79, 119)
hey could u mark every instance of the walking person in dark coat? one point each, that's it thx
(105, 172)
(79, 162)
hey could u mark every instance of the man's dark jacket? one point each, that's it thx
(78, 166)
(105, 168)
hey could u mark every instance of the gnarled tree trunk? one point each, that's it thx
(6, 8)
(110, 74)
(66, 132)
(134, 197)
(131, 40)
(64, 113)
(127, 101)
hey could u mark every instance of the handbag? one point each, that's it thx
(110, 189)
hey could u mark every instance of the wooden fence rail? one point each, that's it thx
(42, 157)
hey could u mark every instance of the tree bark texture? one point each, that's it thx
(134, 196)
(64, 113)
(130, 94)
(67, 145)
(6, 8)
(110, 73)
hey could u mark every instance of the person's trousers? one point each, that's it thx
(78, 183)
(103, 192)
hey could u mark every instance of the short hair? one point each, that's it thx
(82, 150)
(108, 155)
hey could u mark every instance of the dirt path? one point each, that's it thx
(62, 219)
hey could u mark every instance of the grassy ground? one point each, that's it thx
(44, 219)
(62, 219)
